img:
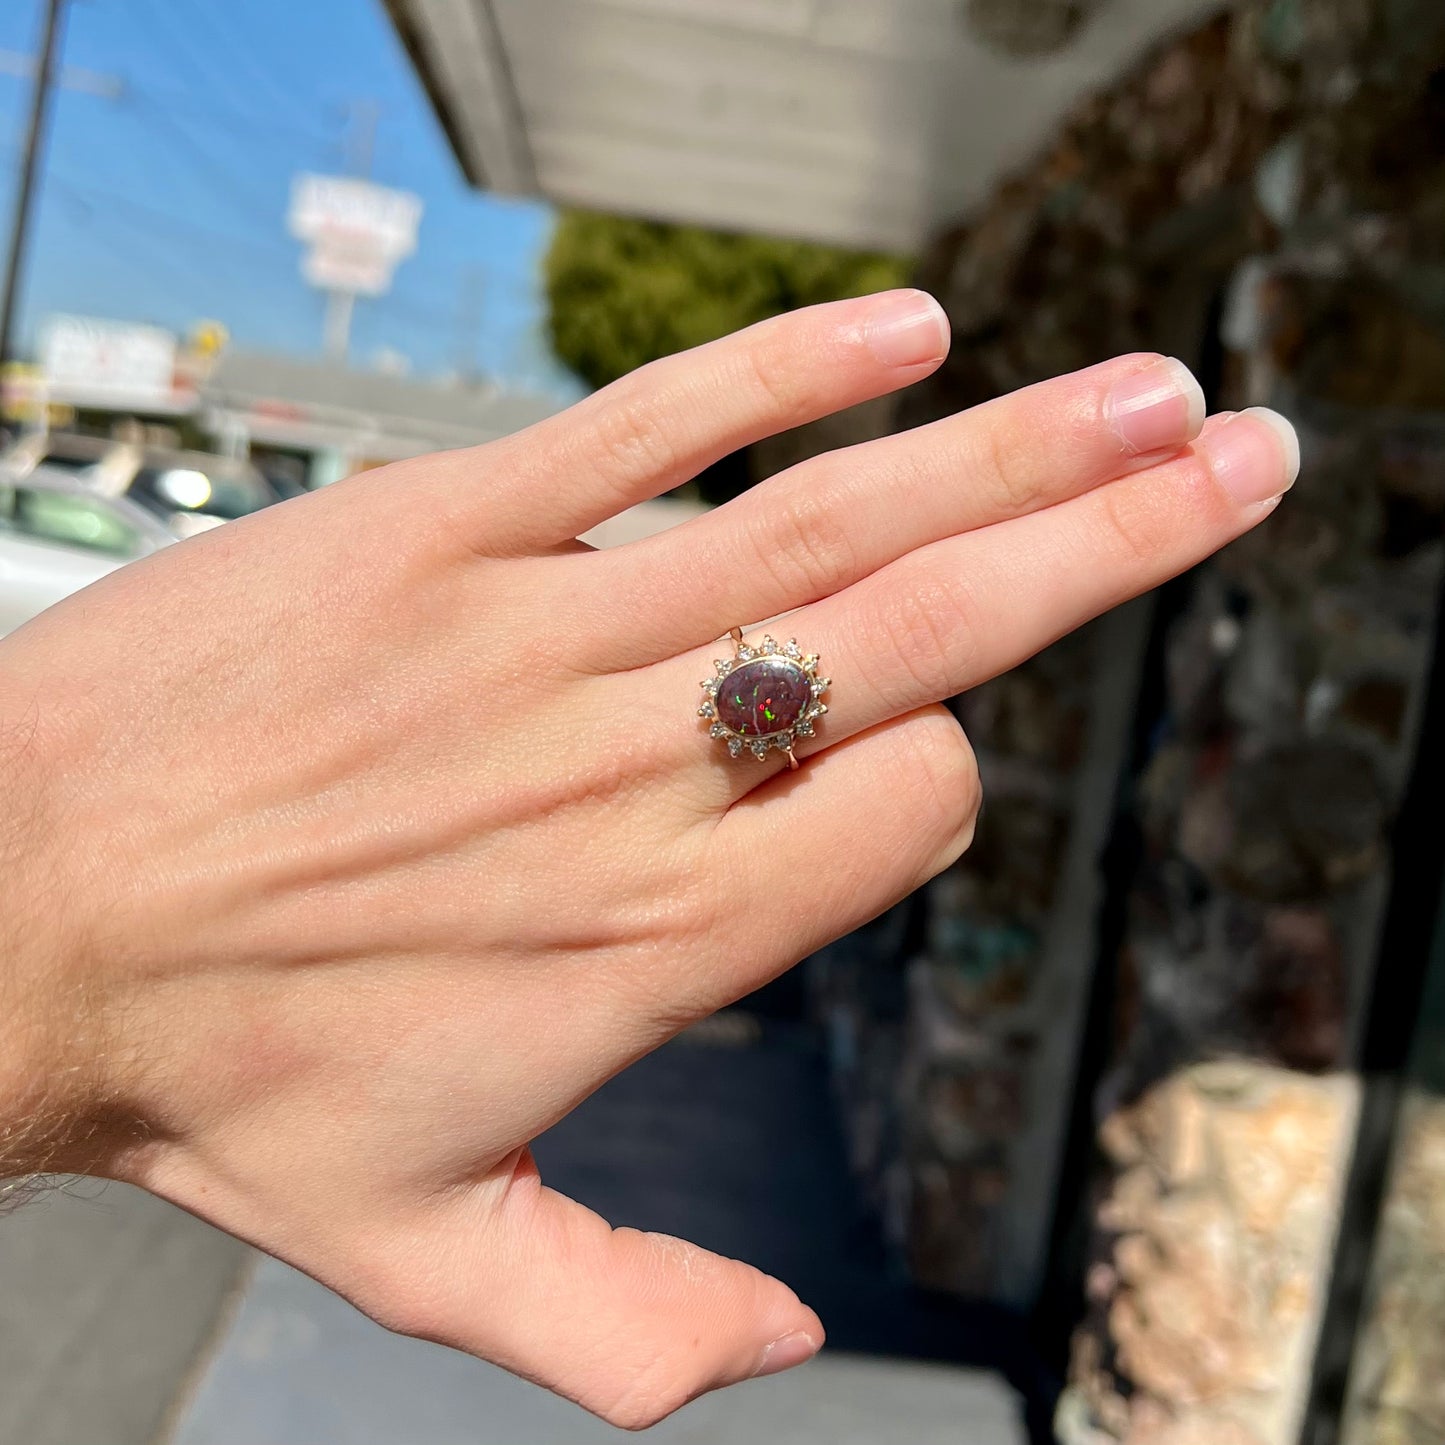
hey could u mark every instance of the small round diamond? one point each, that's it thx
(735, 746)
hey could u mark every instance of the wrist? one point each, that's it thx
(52, 1097)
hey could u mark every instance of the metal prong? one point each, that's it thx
(792, 761)
(736, 633)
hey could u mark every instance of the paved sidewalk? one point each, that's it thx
(734, 1147)
(300, 1367)
(108, 1297)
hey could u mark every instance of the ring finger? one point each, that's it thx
(953, 614)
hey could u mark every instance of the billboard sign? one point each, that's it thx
(87, 359)
(358, 232)
(332, 267)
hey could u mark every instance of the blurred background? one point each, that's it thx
(1129, 1129)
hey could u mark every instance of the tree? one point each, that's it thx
(623, 292)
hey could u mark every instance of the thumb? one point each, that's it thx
(628, 1324)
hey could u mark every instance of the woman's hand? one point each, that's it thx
(353, 844)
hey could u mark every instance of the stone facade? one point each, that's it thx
(1260, 198)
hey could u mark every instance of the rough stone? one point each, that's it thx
(1218, 1235)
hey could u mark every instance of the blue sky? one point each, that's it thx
(168, 204)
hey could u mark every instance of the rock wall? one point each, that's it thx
(1263, 198)
(1295, 678)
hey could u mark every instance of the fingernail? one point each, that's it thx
(1161, 406)
(907, 328)
(1255, 455)
(783, 1354)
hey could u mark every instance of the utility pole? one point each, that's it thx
(471, 302)
(361, 137)
(337, 334)
(360, 151)
(40, 96)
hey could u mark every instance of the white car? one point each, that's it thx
(57, 535)
(189, 491)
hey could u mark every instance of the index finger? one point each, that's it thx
(664, 423)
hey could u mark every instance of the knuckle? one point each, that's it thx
(779, 382)
(402, 1301)
(806, 546)
(1143, 520)
(930, 630)
(1016, 487)
(1129, 526)
(652, 1394)
(633, 439)
(947, 789)
(947, 772)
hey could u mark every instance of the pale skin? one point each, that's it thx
(350, 846)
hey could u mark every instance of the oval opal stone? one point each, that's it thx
(762, 697)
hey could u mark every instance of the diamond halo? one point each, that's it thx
(763, 698)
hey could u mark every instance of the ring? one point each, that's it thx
(764, 696)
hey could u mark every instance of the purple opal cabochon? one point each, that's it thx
(763, 697)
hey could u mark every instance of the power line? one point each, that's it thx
(141, 255)
(237, 45)
(116, 87)
(212, 110)
(187, 54)
(215, 173)
(88, 192)
(270, 246)
(436, 311)
(70, 77)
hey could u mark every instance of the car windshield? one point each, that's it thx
(220, 492)
(73, 464)
(72, 519)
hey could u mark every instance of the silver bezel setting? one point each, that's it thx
(784, 741)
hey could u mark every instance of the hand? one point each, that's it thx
(356, 842)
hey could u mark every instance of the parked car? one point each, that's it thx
(190, 491)
(58, 535)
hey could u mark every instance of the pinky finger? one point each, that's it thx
(825, 849)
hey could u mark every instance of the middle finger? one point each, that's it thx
(831, 521)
